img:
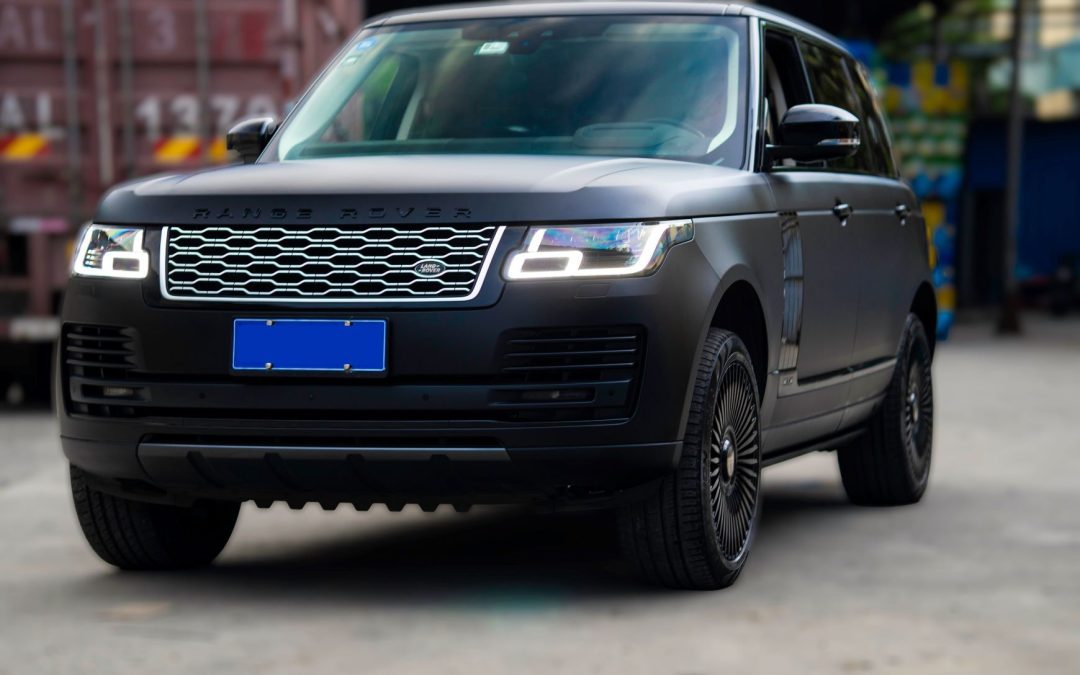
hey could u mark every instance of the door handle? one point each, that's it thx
(902, 212)
(843, 212)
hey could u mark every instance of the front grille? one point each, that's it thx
(328, 264)
(569, 355)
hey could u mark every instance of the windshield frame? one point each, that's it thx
(744, 109)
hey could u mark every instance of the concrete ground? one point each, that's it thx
(982, 577)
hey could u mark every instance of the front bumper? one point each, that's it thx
(450, 422)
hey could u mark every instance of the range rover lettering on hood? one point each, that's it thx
(342, 215)
(434, 189)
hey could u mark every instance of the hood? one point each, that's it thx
(438, 188)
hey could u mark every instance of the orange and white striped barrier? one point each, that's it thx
(23, 147)
(182, 149)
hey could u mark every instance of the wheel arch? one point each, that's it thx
(925, 307)
(739, 310)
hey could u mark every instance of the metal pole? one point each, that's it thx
(1009, 320)
(127, 87)
(71, 113)
(202, 76)
(290, 53)
(103, 92)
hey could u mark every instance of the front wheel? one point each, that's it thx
(889, 465)
(696, 530)
(136, 535)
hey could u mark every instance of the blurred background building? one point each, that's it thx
(93, 92)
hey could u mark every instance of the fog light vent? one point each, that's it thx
(117, 392)
(571, 355)
(557, 396)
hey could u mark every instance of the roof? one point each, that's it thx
(525, 8)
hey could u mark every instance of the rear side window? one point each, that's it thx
(839, 81)
(875, 132)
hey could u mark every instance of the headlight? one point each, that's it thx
(596, 250)
(115, 252)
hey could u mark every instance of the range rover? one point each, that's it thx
(572, 254)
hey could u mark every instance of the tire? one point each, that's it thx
(889, 465)
(695, 532)
(135, 535)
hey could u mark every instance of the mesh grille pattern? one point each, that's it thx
(325, 263)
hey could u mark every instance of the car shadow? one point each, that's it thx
(508, 558)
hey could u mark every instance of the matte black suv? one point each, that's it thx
(576, 254)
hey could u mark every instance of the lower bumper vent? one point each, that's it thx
(547, 375)
(568, 355)
(102, 359)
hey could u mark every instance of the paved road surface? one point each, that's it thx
(982, 577)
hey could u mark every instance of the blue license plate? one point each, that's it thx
(307, 346)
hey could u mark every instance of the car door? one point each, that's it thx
(821, 285)
(884, 236)
(880, 204)
(866, 184)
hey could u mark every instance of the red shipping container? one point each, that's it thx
(94, 92)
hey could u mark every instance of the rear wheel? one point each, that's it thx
(889, 465)
(135, 535)
(696, 530)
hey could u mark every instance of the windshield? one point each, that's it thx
(631, 86)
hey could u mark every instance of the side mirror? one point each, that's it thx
(250, 137)
(815, 132)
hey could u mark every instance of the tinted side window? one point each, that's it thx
(875, 133)
(828, 79)
(836, 80)
(785, 81)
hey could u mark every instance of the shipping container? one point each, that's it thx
(94, 92)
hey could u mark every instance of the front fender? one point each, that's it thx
(743, 249)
